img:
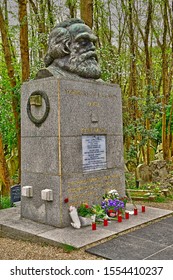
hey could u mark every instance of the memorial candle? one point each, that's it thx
(119, 218)
(105, 222)
(127, 215)
(143, 208)
(135, 211)
(93, 226)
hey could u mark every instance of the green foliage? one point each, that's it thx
(84, 210)
(5, 202)
(98, 211)
(114, 65)
(7, 122)
(130, 180)
(8, 95)
(68, 248)
(158, 125)
(111, 25)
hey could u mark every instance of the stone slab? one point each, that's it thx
(155, 241)
(165, 254)
(10, 214)
(13, 226)
(168, 221)
(126, 248)
(77, 238)
(156, 233)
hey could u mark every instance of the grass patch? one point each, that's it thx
(5, 202)
(160, 199)
(68, 248)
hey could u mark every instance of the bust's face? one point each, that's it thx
(81, 58)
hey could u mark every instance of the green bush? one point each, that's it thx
(5, 202)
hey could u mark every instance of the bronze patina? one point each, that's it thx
(71, 51)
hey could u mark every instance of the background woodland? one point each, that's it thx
(135, 49)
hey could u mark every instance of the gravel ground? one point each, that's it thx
(11, 249)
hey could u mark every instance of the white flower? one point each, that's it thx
(113, 192)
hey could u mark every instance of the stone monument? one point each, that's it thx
(71, 132)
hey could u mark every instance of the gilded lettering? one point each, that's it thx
(93, 104)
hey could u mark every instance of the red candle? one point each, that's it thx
(143, 208)
(105, 222)
(93, 226)
(119, 218)
(127, 215)
(135, 211)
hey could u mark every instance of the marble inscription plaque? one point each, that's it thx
(94, 152)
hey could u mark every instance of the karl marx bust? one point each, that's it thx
(71, 52)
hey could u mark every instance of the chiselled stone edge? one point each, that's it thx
(40, 236)
(74, 80)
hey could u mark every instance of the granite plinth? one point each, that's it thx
(51, 156)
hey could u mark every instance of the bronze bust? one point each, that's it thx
(71, 52)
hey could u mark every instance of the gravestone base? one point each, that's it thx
(75, 153)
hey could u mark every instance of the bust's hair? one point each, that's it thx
(61, 37)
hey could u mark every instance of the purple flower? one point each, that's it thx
(112, 204)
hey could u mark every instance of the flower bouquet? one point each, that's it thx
(112, 206)
(111, 195)
(99, 212)
(86, 215)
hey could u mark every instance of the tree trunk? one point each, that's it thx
(4, 174)
(24, 49)
(133, 70)
(11, 74)
(165, 84)
(148, 71)
(86, 11)
(72, 5)
(40, 17)
(50, 13)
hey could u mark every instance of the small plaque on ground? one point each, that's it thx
(94, 152)
(15, 193)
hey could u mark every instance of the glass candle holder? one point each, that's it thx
(126, 215)
(119, 218)
(93, 226)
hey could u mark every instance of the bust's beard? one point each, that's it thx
(84, 65)
(86, 69)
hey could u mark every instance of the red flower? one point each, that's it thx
(112, 214)
(86, 206)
